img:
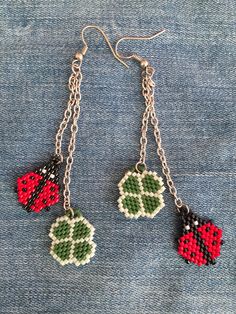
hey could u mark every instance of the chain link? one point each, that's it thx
(144, 127)
(148, 93)
(72, 113)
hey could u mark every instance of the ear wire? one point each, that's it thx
(85, 48)
(135, 56)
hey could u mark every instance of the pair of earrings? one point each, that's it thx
(140, 189)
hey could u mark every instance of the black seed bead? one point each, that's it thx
(193, 254)
(52, 188)
(207, 229)
(52, 197)
(185, 250)
(214, 242)
(44, 201)
(222, 242)
(24, 181)
(186, 241)
(32, 177)
(215, 233)
(24, 189)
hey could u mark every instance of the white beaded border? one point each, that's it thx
(123, 194)
(88, 239)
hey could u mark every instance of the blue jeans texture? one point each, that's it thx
(136, 269)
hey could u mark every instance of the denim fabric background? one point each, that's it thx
(136, 269)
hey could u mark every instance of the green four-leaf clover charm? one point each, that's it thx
(72, 240)
(140, 194)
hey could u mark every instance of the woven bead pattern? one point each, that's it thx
(140, 194)
(39, 189)
(201, 242)
(72, 240)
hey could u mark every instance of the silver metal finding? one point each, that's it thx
(148, 93)
(72, 114)
(106, 39)
(134, 55)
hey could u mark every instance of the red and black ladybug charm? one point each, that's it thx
(201, 241)
(39, 189)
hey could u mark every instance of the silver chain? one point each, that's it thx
(148, 93)
(72, 113)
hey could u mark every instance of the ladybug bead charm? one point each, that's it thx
(201, 240)
(39, 189)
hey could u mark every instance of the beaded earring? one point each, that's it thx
(71, 234)
(140, 189)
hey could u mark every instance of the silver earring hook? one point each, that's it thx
(106, 39)
(135, 56)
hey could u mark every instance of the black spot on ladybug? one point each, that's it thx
(214, 242)
(185, 250)
(52, 188)
(32, 177)
(24, 181)
(52, 197)
(207, 229)
(24, 190)
(215, 234)
(186, 241)
(193, 254)
(44, 201)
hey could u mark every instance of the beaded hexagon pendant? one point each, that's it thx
(72, 240)
(201, 241)
(39, 189)
(140, 194)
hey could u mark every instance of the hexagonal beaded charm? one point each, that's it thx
(72, 240)
(140, 194)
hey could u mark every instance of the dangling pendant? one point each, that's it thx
(39, 189)
(201, 241)
(72, 240)
(140, 194)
